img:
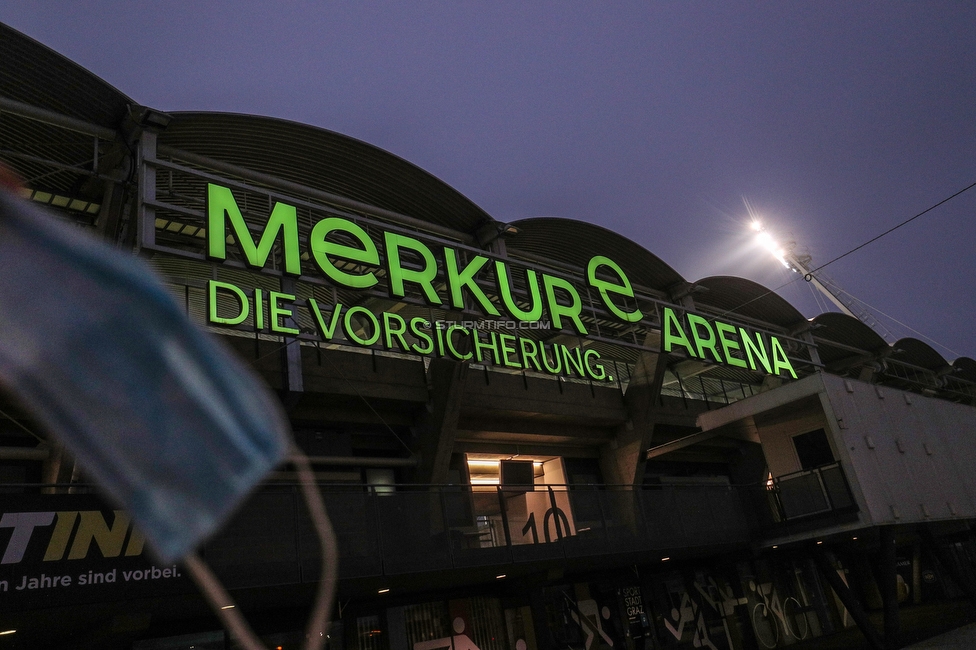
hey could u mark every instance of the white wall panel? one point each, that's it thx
(910, 457)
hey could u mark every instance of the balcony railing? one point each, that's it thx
(440, 527)
(390, 530)
(812, 492)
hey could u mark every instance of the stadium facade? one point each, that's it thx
(529, 436)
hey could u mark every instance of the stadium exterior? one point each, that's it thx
(529, 436)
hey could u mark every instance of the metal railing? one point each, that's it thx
(811, 492)
(388, 530)
(422, 528)
(401, 529)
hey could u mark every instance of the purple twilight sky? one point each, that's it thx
(835, 120)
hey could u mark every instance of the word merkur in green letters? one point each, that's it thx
(334, 241)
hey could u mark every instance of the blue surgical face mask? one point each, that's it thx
(173, 428)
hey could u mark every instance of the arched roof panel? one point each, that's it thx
(847, 331)
(326, 161)
(738, 296)
(965, 368)
(919, 353)
(37, 75)
(575, 242)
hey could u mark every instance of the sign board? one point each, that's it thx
(65, 549)
(447, 277)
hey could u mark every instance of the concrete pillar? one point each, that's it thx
(437, 426)
(888, 584)
(396, 628)
(57, 468)
(145, 213)
(916, 573)
(623, 459)
(543, 634)
(110, 214)
(291, 358)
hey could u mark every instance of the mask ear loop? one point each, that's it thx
(223, 604)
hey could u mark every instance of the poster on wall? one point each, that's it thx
(693, 615)
(583, 616)
(67, 549)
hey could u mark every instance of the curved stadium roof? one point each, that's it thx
(738, 296)
(37, 75)
(965, 368)
(919, 353)
(833, 327)
(336, 164)
(574, 242)
(326, 161)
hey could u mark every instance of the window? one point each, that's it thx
(813, 449)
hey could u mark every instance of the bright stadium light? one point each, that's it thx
(803, 264)
(766, 241)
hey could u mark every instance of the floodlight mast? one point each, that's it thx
(802, 264)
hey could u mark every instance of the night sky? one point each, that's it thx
(834, 120)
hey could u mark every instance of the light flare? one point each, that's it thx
(766, 241)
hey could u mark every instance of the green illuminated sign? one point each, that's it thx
(221, 203)
(724, 343)
(461, 341)
(335, 241)
(345, 254)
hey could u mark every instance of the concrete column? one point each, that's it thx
(623, 459)
(110, 214)
(437, 426)
(888, 585)
(916, 573)
(145, 213)
(291, 357)
(543, 635)
(396, 628)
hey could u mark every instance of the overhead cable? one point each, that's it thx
(857, 248)
(893, 229)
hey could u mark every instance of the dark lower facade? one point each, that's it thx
(425, 567)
